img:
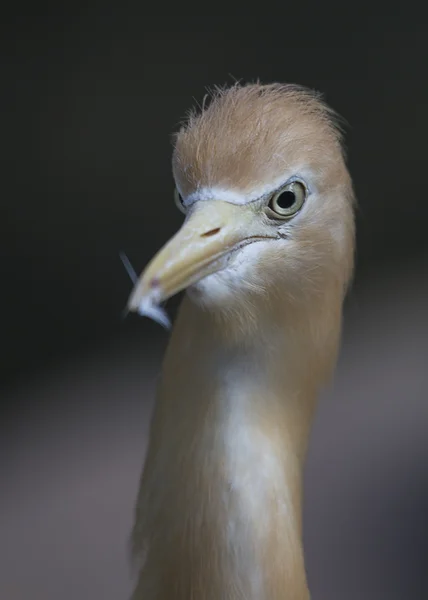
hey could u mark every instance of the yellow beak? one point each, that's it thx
(212, 230)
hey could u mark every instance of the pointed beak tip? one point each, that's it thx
(145, 301)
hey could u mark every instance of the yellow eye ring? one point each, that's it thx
(178, 199)
(287, 201)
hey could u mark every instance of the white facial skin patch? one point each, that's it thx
(233, 276)
(240, 197)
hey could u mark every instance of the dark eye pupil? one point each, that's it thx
(286, 200)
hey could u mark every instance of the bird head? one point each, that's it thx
(261, 179)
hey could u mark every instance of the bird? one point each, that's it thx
(265, 258)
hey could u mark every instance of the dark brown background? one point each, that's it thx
(88, 103)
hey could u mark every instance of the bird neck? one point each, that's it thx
(219, 508)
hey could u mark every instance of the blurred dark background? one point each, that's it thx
(89, 101)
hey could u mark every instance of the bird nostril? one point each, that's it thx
(211, 232)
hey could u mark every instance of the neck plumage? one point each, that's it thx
(219, 509)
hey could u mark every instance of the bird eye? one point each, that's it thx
(178, 199)
(288, 200)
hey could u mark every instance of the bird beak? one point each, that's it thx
(210, 232)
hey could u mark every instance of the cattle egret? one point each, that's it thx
(265, 255)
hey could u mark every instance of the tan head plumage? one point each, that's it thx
(249, 134)
(229, 158)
